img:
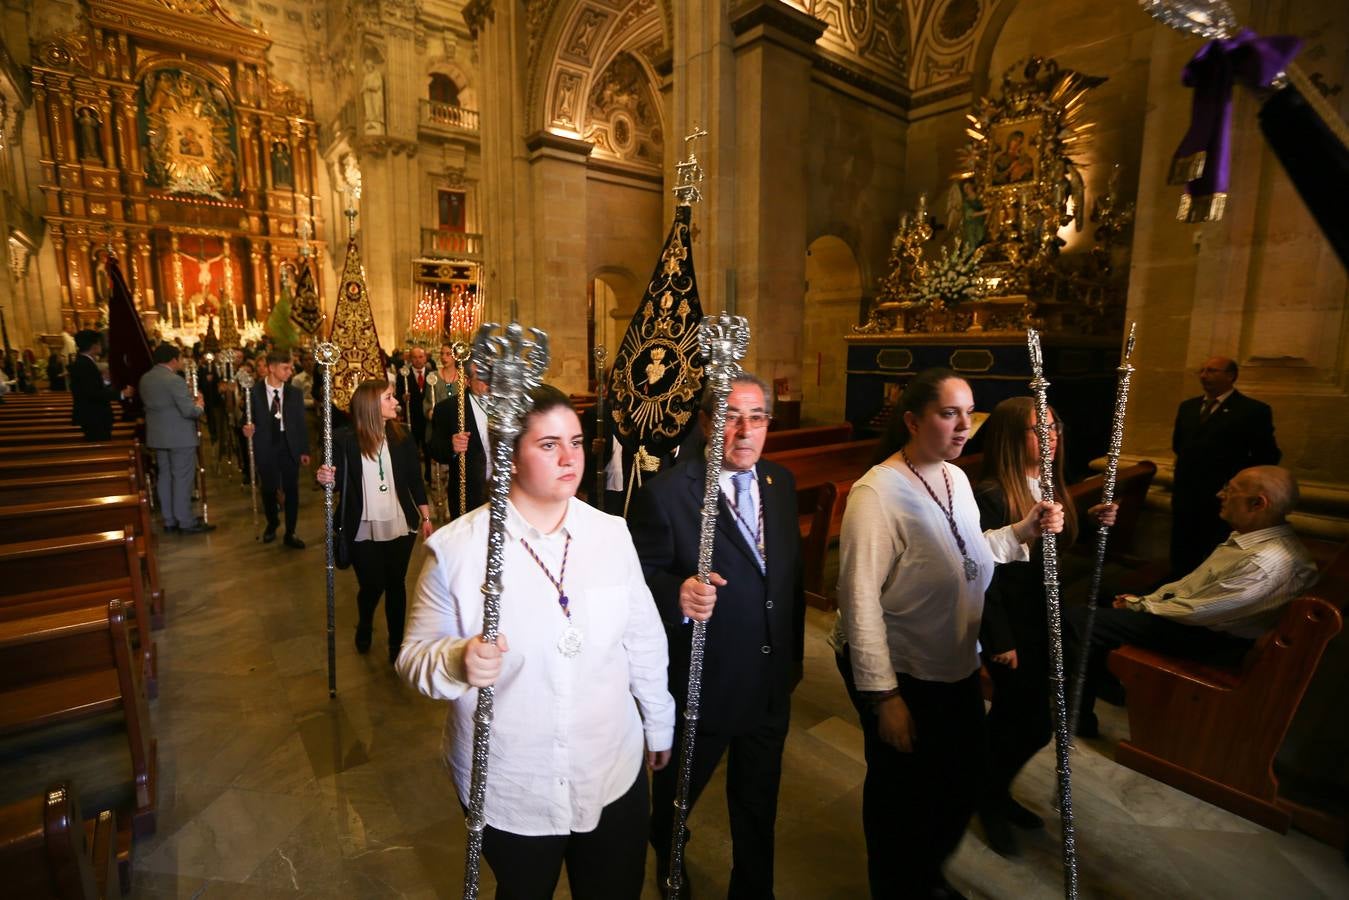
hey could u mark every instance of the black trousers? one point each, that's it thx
(753, 773)
(608, 863)
(1019, 720)
(381, 570)
(279, 470)
(915, 806)
(1117, 627)
(1196, 529)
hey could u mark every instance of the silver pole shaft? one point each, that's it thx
(326, 354)
(1126, 371)
(512, 366)
(723, 340)
(1049, 550)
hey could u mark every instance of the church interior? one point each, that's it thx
(878, 187)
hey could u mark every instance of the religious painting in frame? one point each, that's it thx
(1014, 153)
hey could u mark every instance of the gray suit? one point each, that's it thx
(171, 431)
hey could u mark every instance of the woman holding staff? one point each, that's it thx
(913, 567)
(383, 506)
(1014, 634)
(580, 685)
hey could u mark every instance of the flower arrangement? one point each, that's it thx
(954, 279)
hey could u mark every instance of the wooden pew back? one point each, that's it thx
(48, 488)
(1214, 732)
(1131, 491)
(71, 665)
(815, 510)
(812, 436)
(46, 852)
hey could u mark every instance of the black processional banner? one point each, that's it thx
(657, 379)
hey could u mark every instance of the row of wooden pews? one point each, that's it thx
(80, 597)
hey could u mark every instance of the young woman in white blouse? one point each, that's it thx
(579, 668)
(913, 568)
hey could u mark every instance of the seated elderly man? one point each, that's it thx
(1214, 614)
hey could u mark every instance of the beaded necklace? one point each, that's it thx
(570, 642)
(948, 510)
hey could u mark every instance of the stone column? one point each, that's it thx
(773, 52)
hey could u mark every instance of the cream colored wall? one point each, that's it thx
(1262, 285)
(624, 235)
(833, 292)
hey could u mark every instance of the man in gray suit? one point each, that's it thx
(171, 415)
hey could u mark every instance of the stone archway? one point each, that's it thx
(832, 300)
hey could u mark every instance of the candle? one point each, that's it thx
(181, 320)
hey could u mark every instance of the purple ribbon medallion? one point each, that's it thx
(1203, 160)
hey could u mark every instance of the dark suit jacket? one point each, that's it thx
(90, 397)
(1238, 434)
(407, 479)
(1015, 617)
(408, 388)
(753, 610)
(444, 425)
(295, 436)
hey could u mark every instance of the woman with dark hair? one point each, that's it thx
(1014, 635)
(913, 567)
(580, 686)
(383, 507)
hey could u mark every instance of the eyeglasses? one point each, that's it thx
(752, 421)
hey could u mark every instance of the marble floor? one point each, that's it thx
(267, 788)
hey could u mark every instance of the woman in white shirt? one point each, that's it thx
(913, 568)
(383, 507)
(579, 668)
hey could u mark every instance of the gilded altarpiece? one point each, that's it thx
(165, 138)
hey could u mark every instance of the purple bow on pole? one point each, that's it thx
(1203, 160)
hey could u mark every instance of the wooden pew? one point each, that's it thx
(57, 574)
(73, 664)
(38, 465)
(48, 851)
(812, 436)
(1131, 491)
(18, 437)
(64, 518)
(837, 464)
(77, 449)
(49, 488)
(1214, 732)
(815, 510)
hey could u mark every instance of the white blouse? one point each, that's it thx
(382, 516)
(568, 733)
(904, 603)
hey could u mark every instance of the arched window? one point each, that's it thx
(442, 90)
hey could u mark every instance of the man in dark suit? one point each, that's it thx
(448, 443)
(90, 393)
(411, 389)
(755, 613)
(280, 444)
(1215, 437)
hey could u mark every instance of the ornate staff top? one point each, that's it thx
(723, 340)
(689, 173)
(462, 351)
(326, 353)
(1208, 19)
(511, 365)
(244, 380)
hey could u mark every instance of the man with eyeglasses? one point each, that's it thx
(1217, 611)
(755, 614)
(1215, 437)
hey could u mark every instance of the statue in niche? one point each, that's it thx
(372, 92)
(283, 175)
(965, 213)
(89, 134)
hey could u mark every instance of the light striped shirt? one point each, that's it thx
(1242, 585)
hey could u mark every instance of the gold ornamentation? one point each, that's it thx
(657, 377)
(353, 332)
(189, 134)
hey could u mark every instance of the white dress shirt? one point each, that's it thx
(478, 413)
(275, 393)
(567, 737)
(904, 603)
(1241, 586)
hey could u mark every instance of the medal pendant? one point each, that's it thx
(384, 489)
(570, 643)
(971, 569)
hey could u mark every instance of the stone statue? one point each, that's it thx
(372, 90)
(88, 134)
(282, 174)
